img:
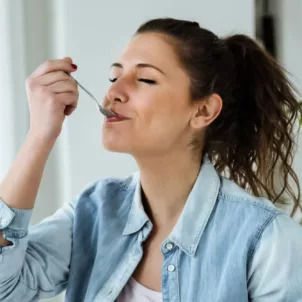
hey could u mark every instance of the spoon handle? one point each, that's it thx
(104, 111)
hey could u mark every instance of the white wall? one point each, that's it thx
(289, 25)
(289, 44)
(13, 112)
(27, 39)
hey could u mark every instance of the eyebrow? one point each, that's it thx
(140, 65)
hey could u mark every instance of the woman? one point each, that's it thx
(190, 106)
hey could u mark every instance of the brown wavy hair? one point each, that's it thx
(253, 138)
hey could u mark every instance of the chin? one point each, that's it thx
(115, 145)
(116, 140)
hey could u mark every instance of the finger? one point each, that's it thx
(64, 86)
(68, 98)
(68, 59)
(53, 65)
(53, 77)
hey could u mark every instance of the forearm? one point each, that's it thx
(20, 186)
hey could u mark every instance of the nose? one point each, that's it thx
(116, 94)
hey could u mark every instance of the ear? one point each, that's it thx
(206, 111)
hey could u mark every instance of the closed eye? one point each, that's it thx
(147, 81)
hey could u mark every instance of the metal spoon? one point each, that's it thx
(103, 110)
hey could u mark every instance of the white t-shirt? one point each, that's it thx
(135, 292)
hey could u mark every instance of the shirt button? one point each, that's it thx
(3, 221)
(171, 268)
(169, 246)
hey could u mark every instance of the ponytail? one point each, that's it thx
(254, 137)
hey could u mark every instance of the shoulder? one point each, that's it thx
(241, 210)
(274, 232)
(108, 191)
(110, 185)
(275, 271)
(282, 236)
(231, 193)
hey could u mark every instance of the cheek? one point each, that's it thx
(162, 127)
(162, 109)
(146, 109)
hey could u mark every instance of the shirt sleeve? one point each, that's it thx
(276, 270)
(37, 264)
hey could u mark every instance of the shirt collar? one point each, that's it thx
(137, 216)
(195, 215)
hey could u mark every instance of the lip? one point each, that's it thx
(118, 115)
(115, 119)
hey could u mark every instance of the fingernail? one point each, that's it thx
(74, 66)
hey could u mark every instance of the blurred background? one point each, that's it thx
(93, 33)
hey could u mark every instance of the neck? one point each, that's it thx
(166, 184)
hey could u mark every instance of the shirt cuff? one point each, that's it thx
(14, 222)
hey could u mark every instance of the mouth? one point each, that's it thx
(116, 118)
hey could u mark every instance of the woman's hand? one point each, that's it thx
(52, 94)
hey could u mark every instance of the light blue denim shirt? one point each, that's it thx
(227, 246)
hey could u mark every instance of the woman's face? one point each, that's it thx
(151, 90)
